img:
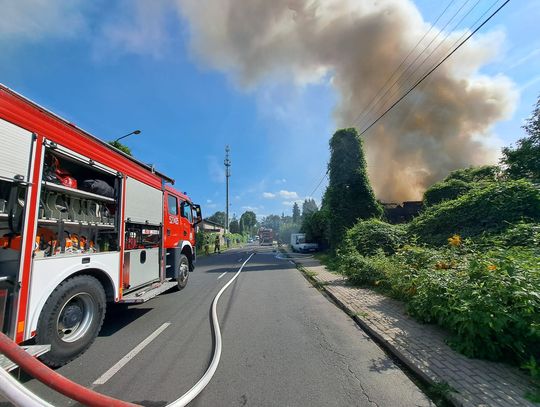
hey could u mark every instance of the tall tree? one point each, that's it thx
(309, 206)
(349, 194)
(272, 222)
(523, 161)
(295, 213)
(234, 226)
(248, 221)
(218, 217)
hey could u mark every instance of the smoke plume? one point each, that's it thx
(443, 124)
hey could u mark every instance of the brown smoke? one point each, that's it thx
(443, 125)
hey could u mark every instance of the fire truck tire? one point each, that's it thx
(183, 272)
(71, 319)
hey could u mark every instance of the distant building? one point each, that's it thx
(207, 226)
(396, 213)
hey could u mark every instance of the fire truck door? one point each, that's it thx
(173, 227)
(15, 150)
(187, 223)
(15, 157)
(143, 213)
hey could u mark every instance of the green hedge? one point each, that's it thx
(445, 191)
(489, 209)
(488, 301)
(369, 236)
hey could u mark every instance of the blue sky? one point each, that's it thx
(104, 67)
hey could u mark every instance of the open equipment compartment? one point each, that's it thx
(78, 207)
(15, 157)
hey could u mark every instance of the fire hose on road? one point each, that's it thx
(21, 396)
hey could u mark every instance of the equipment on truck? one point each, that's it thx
(82, 225)
(266, 237)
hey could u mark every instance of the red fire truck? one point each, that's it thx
(81, 225)
(266, 237)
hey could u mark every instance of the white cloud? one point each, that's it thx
(288, 194)
(35, 20)
(251, 208)
(139, 28)
(208, 201)
(291, 203)
(280, 181)
(268, 195)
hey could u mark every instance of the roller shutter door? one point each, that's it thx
(15, 150)
(144, 204)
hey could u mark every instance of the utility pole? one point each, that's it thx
(227, 163)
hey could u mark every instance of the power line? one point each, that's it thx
(416, 68)
(319, 184)
(434, 68)
(377, 98)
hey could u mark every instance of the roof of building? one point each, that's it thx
(213, 223)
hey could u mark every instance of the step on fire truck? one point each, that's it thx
(81, 225)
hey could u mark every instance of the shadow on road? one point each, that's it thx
(248, 268)
(118, 316)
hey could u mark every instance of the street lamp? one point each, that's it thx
(129, 134)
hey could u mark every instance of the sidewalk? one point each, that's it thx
(422, 347)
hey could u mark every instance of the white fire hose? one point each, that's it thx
(21, 396)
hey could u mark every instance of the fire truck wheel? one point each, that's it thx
(183, 272)
(71, 319)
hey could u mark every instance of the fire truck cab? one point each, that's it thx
(82, 225)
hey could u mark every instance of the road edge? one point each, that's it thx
(416, 374)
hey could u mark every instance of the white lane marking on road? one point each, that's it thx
(122, 362)
(240, 259)
(205, 379)
(221, 275)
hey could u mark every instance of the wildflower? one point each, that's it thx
(492, 267)
(441, 265)
(454, 240)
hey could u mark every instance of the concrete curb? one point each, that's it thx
(452, 397)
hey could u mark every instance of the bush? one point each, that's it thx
(369, 236)
(445, 191)
(489, 209)
(315, 226)
(489, 302)
(518, 235)
(365, 270)
(475, 174)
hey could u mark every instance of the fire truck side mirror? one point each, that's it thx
(198, 214)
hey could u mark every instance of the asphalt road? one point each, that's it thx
(284, 344)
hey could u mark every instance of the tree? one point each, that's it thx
(218, 217)
(349, 193)
(475, 174)
(523, 161)
(309, 206)
(295, 213)
(121, 147)
(234, 226)
(248, 221)
(315, 226)
(272, 222)
(285, 231)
